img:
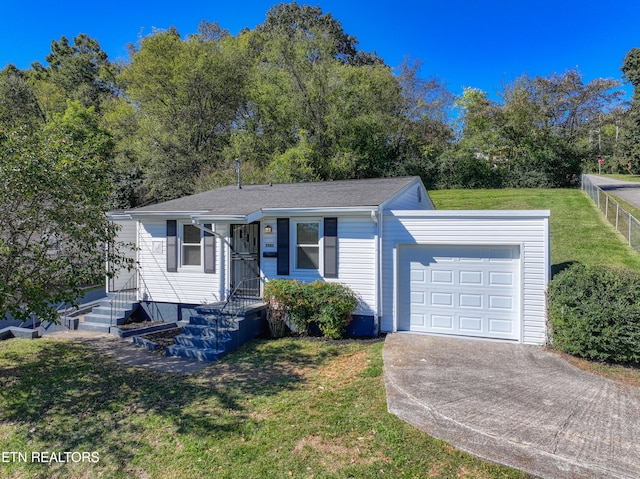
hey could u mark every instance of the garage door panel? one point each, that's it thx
(471, 324)
(419, 297)
(460, 290)
(441, 299)
(417, 273)
(501, 302)
(418, 321)
(500, 279)
(470, 300)
(442, 277)
(442, 322)
(470, 278)
(497, 325)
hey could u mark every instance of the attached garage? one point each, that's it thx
(460, 290)
(466, 273)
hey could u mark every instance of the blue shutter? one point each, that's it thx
(331, 247)
(283, 246)
(172, 246)
(209, 245)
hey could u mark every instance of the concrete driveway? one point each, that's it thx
(514, 404)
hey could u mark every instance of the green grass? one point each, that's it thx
(579, 232)
(626, 205)
(285, 408)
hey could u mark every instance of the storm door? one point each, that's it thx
(245, 259)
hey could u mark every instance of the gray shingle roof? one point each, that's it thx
(230, 200)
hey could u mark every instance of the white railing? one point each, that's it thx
(621, 219)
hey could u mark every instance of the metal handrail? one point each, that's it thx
(234, 297)
(239, 302)
(126, 294)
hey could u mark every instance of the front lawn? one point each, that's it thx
(579, 232)
(273, 409)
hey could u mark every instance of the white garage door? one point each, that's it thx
(460, 290)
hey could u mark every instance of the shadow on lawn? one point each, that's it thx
(67, 397)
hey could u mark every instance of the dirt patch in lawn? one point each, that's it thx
(337, 453)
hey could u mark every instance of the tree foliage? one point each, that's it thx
(54, 190)
(629, 151)
(296, 99)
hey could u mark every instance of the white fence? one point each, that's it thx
(621, 219)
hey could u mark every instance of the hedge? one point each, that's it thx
(326, 305)
(594, 313)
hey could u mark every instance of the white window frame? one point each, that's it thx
(193, 267)
(295, 244)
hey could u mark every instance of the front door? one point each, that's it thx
(245, 260)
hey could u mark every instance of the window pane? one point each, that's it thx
(191, 234)
(308, 257)
(191, 255)
(307, 233)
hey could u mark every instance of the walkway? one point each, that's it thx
(124, 351)
(515, 404)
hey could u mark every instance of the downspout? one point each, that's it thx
(378, 220)
(139, 297)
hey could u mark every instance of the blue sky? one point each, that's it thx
(479, 44)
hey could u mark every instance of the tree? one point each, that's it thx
(77, 71)
(308, 76)
(186, 95)
(539, 132)
(18, 103)
(54, 191)
(629, 148)
(293, 22)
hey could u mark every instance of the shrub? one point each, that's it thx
(594, 313)
(326, 305)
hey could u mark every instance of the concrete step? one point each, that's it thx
(200, 342)
(209, 332)
(213, 308)
(90, 326)
(198, 330)
(98, 318)
(211, 320)
(193, 353)
(125, 310)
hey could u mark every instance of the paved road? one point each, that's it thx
(515, 404)
(627, 190)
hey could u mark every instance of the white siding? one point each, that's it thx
(356, 258)
(414, 197)
(127, 235)
(187, 285)
(528, 230)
